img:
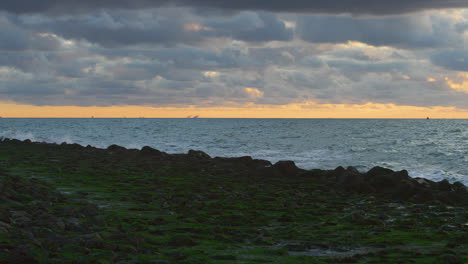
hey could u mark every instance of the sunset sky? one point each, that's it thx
(244, 58)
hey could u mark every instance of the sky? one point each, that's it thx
(245, 58)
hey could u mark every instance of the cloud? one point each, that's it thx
(250, 26)
(300, 6)
(460, 82)
(252, 92)
(16, 38)
(174, 56)
(456, 60)
(427, 30)
(159, 26)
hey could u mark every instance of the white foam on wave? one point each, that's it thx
(438, 175)
(323, 144)
(23, 135)
(20, 135)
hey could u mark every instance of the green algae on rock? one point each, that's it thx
(73, 204)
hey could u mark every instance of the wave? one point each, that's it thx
(23, 135)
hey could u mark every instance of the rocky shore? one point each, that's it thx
(66, 203)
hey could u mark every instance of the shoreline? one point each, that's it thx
(67, 203)
(378, 180)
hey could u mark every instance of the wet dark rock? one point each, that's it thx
(74, 146)
(375, 171)
(224, 257)
(4, 227)
(89, 209)
(459, 186)
(338, 171)
(93, 240)
(20, 218)
(172, 201)
(444, 186)
(259, 163)
(449, 259)
(19, 256)
(149, 151)
(116, 148)
(352, 170)
(266, 172)
(73, 224)
(198, 154)
(297, 247)
(158, 261)
(351, 180)
(182, 241)
(286, 168)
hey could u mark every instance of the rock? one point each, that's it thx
(265, 172)
(351, 180)
(20, 218)
(378, 171)
(243, 159)
(338, 171)
(4, 215)
(421, 195)
(449, 259)
(73, 224)
(224, 257)
(286, 167)
(158, 261)
(459, 186)
(352, 170)
(403, 191)
(444, 185)
(4, 227)
(449, 198)
(297, 247)
(198, 154)
(93, 240)
(89, 209)
(19, 256)
(259, 163)
(116, 148)
(181, 241)
(149, 151)
(389, 181)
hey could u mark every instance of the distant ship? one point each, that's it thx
(195, 116)
(427, 117)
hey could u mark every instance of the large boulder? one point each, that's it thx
(115, 148)
(376, 171)
(149, 151)
(198, 154)
(286, 167)
(351, 179)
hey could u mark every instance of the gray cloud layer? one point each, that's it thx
(405, 31)
(179, 56)
(302, 6)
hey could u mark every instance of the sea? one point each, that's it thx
(435, 149)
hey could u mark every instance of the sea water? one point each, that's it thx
(434, 149)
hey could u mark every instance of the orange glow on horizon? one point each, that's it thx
(298, 110)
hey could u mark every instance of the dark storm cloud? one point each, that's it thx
(316, 6)
(16, 38)
(250, 26)
(402, 31)
(456, 60)
(124, 28)
(173, 56)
